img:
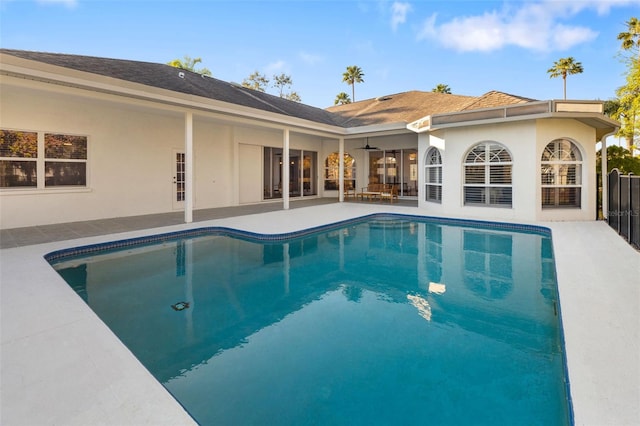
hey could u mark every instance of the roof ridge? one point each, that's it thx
(490, 93)
(163, 76)
(73, 55)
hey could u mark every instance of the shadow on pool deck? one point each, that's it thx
(19, 237)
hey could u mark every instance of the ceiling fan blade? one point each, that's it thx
(367, 147)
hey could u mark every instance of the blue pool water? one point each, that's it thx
(389, 320)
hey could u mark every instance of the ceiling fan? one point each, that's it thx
(367, 147)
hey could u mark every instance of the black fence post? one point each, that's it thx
(624, 205)
(634, 210)
(613, 215)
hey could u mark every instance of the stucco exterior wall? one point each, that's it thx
(124, 176)
(131, 155)
(525, 141)
(213, 163)
(584, 138)
(132, 146)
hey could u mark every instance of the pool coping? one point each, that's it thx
(62, 365)
(232, 232)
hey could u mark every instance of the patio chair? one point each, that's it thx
(389, 192)
(349, 193)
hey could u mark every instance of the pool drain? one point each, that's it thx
(180, 306)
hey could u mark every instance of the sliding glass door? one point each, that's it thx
(302, 173)
(397, 167)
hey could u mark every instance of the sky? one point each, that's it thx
(472, 46)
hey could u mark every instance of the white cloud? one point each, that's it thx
(310, 58)
(603, 6)
(530, 25)
(68, 3)
(276, 67)
(399, 13)
(564, 38)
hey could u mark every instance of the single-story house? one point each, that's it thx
(90, 138)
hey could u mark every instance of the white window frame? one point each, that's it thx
(433, 154)
(554, 173)
(330, 170)
(41, 161)
(494, 168)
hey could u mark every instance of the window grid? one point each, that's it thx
(561, 175)
(180, 177)
(65, 160)
(42, 160)
(488, 176)
(332, 172)
(433, 175)
(18, 159)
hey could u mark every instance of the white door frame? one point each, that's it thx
(178, 187)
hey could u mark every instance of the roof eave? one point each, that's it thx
(377, 129)
(587, 112)
(595, 120)
(53, 74)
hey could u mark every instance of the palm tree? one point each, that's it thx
(442, 88)
(563, 67)
(351, 76)
(631, 38)
(342, 98)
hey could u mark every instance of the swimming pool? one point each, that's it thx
(384, 320)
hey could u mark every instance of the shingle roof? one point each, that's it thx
(167, 77)
(400, 107)
(495, 99)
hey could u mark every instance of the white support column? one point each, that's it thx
(605, 181)
(188, 166)
(603, 170)
(341, 170)
(285, 170)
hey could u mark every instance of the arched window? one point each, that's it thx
(561, 174)
(332, 172)
(433, 175)
(487, 175)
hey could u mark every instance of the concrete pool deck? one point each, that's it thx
(61, 365)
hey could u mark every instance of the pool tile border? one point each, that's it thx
(231, 232)
(65, 254)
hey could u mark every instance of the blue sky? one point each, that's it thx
(472, 46)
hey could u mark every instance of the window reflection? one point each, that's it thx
(397, 167)
(302, 173)
(488, 263)
(332, 172)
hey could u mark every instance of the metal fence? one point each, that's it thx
(624, 206)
